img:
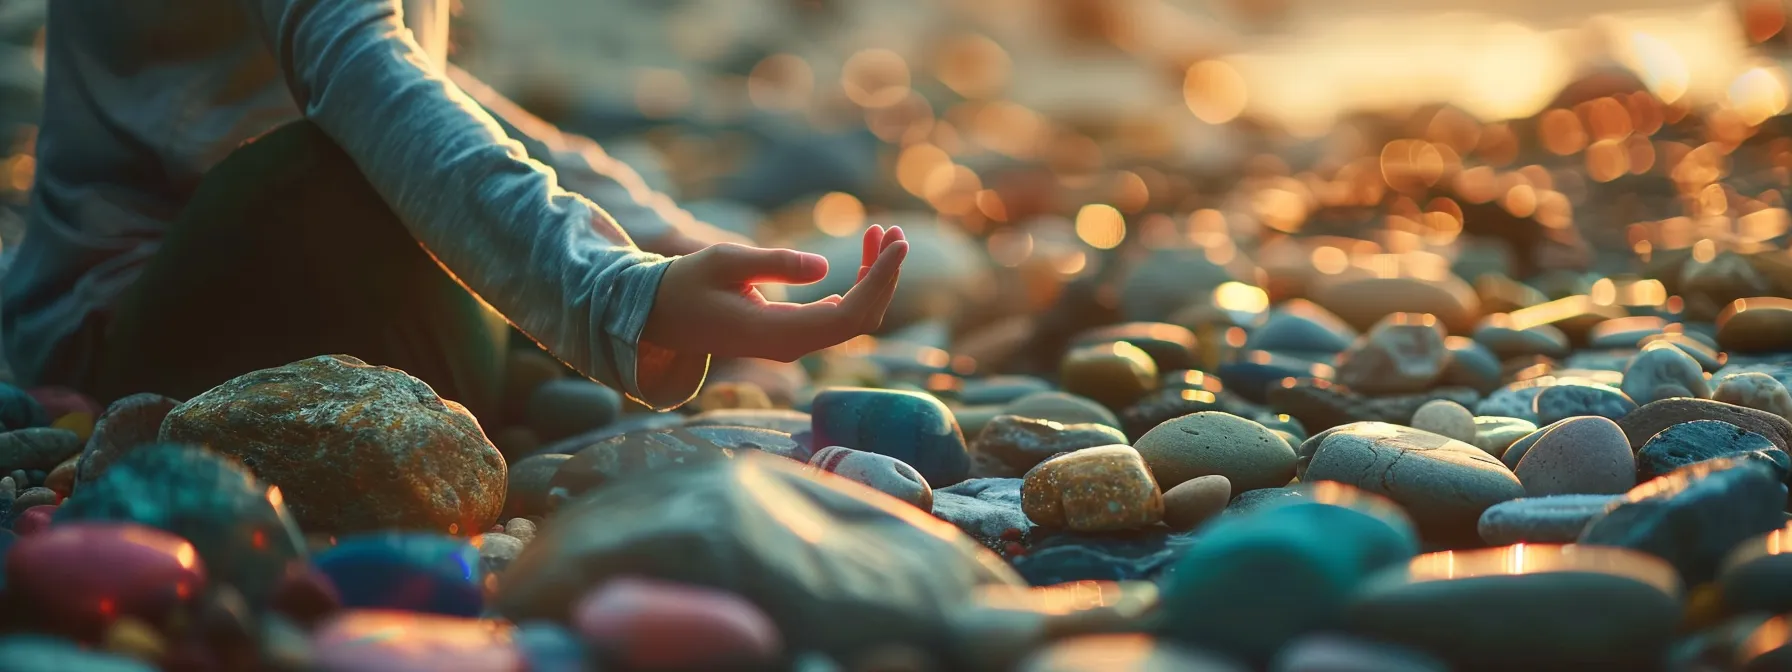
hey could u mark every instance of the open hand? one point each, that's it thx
(707, 301)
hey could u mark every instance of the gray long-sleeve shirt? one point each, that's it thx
(143, 96)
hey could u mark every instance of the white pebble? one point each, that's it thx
(1442, 416)
(1662, 371)
(1755, 390)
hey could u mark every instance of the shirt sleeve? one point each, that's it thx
(552, 262)
(584, 168)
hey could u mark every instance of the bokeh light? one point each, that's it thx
(1100, 226)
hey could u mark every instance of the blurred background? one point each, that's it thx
(1071, 162)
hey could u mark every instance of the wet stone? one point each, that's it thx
(1693, 516)
(1755, 390)
(416, 572)
(1443, 483)
(1663, 372)
(1093, 490)
(1113, 374)
(1579, 456)
(1060, 407)
(882, 473)
(1019, 443)
(1557, 519)
(333, 429)
(914, 428)
(1693, 442)
(1248, 454)
(239, 525)
(1557, 402)
(1651, 419)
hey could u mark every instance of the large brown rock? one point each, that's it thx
(353, 447)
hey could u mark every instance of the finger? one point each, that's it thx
(868, 299)
(739, 264)
(893, 234)
(873, 245)
(790, 331)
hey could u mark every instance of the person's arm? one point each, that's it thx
(552, 262)
(650, 217)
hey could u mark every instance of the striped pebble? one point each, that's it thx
(882, 473)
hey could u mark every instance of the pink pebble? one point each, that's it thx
(34, 520)
(83, 575)
(61, 401)
(403, 641)
(657, 625)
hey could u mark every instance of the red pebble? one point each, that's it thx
(61, 401)
(403, 641)
(1015, 550)
(81, 576)
(1011, 534)
(657, 625)
(34, 520)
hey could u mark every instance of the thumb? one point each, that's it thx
(756, 265)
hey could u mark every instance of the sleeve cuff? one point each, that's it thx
(655, 377)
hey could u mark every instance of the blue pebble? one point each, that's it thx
(1287, 332)
(1251, 372)
(419, 572)
(909, 426)
(1696, 441)
(1560, 402)
(19, 411)
(1256, 582)
(1694, 516)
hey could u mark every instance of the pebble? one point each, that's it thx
(1252, 373)
(1707, 356)
(1663, 372)
(655, 625)
(496, 551)
(1558, 402)
(239, 525)
(129, 422)
(552, 647)
(1757, 324)
(1252, 501)
(777, 420)
(1517, 400)
(1169, 346)
(1335, 653)
(1652, 418)
(1112, 374)
(1496, 434)
(1556, 519)
(1093, 490)
(1000, 389)
(1068, 409)
(1165, 280)
(1533, 606)
(1579, 456)
(1300, 325)
(36, 497)
(1403, 352)
(416, 572)
(396, 641)
(1248, 454)
(1363, 301)
(80, 577)
(570, 406)
(1625, 332)
(1471, 365)
(882, 473)
(529, 481)
(80, 423)
(1757, 574)
(753, 537)
(333, 429)
(987, 509)
(1693, 516)
(18, 410)
(914, 428)
(1755, 390)
(37, 448)
(305, 595)
(516, 442)
(1443, 483)
(733, 396)
(1447, 418)
(1055, 557)
(1019, 442)
(1699, 440)
(1507, 341)
(521, 528)
(39, 653)
(1320, 405)
(1101, 653)
(1165, 405)
(1294, 564)
(624, 457)
(627, 424)
(34, 519)
(1194, 501)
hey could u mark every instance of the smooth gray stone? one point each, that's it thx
(1558, 519)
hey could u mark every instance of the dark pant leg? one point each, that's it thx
(286, 252)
